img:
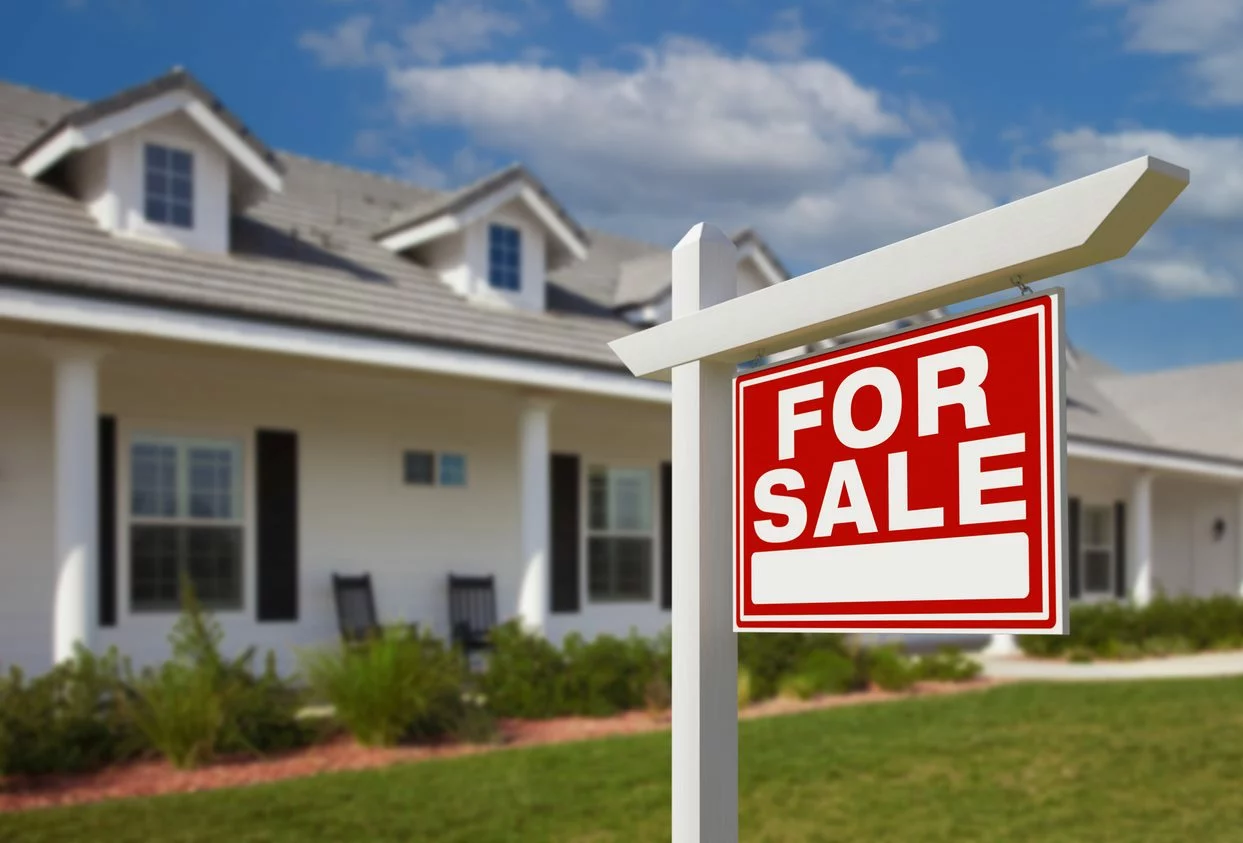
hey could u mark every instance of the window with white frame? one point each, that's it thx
(168, 186)
(619, 534)
(504, 257)
(1097, 549)
(185, 520)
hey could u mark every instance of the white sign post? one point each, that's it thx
(1085, 222)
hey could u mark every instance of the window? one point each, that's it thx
(619, 534)
(504, 257)
(452, 469)
(1096, 545)
(185, 520)
(168, 186)
(418, 468)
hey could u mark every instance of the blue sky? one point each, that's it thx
(832, 126)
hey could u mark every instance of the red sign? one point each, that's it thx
(911, 483)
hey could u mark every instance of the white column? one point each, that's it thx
(533, 470)
(1139, 559)
(1002, 645)
(705, 649)
(75, 505)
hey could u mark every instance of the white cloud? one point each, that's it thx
(589, 9)
(347, 45)
(787, 38)
(451, 28)
(904, 24)
(1208, 33)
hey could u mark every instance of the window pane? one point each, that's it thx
(157, 185)
(452, 470)
(418, 468)
(632, 503)
(153, 480)
(153, 567)
(1098, 522)
(1097, 571)
(179, 162)
(156, 210)
(182, 216)
(157, 156)
(214, 565)
(212, 475)
(598, 499)
(180, 188)
(619, 568)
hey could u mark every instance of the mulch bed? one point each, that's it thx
(153, 778)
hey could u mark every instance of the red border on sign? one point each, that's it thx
(1040, 611)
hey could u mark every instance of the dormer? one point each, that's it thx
(643, 285)
(494, 241)
(164, 162)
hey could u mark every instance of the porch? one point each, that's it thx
(126, 462)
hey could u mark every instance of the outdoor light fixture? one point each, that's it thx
(1219, 529)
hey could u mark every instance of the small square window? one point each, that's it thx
(452, 469)
(418, 468)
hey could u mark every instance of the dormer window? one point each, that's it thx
(504, 257)
(168, 186)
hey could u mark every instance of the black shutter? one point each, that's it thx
(1120, 549)
(564, 530)
(276, 459)
(107, 527)
(666, 535)
(1072, 536)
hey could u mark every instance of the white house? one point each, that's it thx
(260, 370)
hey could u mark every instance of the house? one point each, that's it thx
(258, 370)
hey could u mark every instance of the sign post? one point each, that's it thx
(1079, 224)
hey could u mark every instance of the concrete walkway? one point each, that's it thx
(1174, 667)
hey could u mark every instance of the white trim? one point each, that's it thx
(756, 255)
(72, 138)
(1085, 222)
(450, 223)
(1180, 463)
(227, 332)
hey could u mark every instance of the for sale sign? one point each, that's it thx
(912, 483)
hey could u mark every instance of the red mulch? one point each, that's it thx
(151, 778)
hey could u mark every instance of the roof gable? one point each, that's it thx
(176, 91)
(452, 212)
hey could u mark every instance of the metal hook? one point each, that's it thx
(1017, 281)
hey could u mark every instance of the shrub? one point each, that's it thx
(606, 675)
(400, 686)
(947, 664)
(524, 676)
(770, 656)
(70, 719)
(199, 704)
(1123, 630)
(744, 687)
(890, 669)
(827, 672)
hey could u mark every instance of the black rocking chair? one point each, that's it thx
(472, 611)
(355, 607)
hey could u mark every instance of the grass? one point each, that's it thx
(1118, 762)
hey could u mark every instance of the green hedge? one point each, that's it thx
(1163, 627)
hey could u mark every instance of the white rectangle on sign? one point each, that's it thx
(992, 567)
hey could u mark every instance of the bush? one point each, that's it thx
(199, 704)
(524, 676)
(71, 719)
(889, 669)
(826, 672)
(744, 687)
(400, 686)
(1166, 625)
(768, 657)
(947, 664)
(606, 675)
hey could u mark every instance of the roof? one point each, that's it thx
(176, 79)
(304, 256)
(1197, 409)
(460, 200)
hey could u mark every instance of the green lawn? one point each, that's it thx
(1104, 762)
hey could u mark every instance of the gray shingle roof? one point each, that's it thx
(175, 79)
(305, 256)
(1198, 409)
